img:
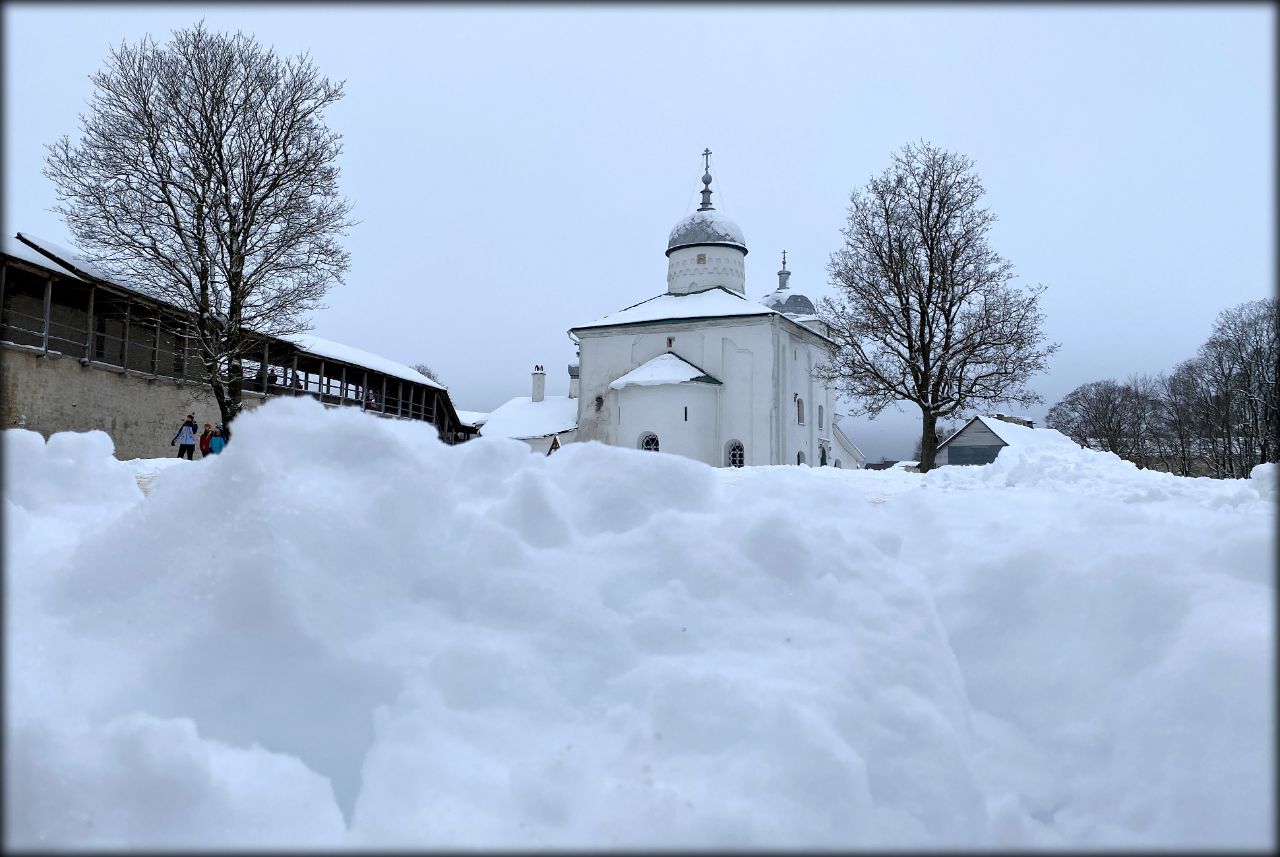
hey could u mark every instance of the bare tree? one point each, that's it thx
(942, 431)
(925, 312)
(205, 176)
(424, 369)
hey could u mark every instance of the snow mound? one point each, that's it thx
(363, 637)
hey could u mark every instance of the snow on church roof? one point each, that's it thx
(336, 350)
(715, 302)
(663, 369)
(522, 418)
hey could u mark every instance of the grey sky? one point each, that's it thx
(516, 171)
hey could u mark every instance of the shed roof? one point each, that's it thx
(1012, 434)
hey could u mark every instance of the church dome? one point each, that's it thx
(785, 301)
(788, 303)
(706, 227)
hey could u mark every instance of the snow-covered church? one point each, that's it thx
(702, 371)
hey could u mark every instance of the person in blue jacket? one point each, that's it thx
(218, 440)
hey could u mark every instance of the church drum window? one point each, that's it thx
(820, 416)
(800, 411)
(649, 441)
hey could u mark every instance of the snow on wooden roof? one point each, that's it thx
(337, 351)
(71, 263)
(664, 369)
(522, 418)
(717, 302)
(1013, 434)
(20, 250)
(65, 255)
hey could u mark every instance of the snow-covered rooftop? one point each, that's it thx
(327, 348)
(20, 250)
(1017, 435)
(70, 258)
(716, 302)
(663, 369)
(473, 418)
(522, 418)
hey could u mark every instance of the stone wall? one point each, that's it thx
(141, 414)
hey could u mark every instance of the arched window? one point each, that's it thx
(799, 410)
(735, 454)
(649, 441)
(822, 450)
(820, 416)
(837, 464)
(799, 458)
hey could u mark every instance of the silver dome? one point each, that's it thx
(706, 227)
(788, 303)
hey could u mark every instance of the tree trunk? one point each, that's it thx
(928, 440)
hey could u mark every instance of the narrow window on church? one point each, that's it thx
(800, 411)
(737, 454)
(686, 413)
(702, 258)
(820, 416)
(671, 340)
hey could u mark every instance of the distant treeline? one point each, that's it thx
(1217, 414)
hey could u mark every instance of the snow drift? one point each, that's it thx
(341, 632)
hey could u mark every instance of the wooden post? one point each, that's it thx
(48, 298)
(128, 312)
(400, 399)
(88, 340)
(364, 391)
(382, 406)
(266, 368)
(342, 400)
(155, 350)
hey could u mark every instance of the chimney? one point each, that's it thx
(539, 383)
(573, 380)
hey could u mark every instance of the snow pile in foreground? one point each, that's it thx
(341, 632)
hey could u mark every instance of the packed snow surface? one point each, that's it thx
(523, 417)
(716, 302)
(663, 369)
(359, 636)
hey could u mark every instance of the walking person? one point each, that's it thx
(217, 442)
(204, 440)
(185, 439)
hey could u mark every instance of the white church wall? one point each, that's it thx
(610, 355)
(745, 404)
(683, 416)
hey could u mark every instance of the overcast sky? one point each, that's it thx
(516, 171)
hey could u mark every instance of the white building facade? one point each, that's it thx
(702, 371)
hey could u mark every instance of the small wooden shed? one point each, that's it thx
(980, 440)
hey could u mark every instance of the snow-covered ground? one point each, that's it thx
(341, 632)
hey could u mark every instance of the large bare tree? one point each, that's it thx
(925, 312)
(205, 175)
